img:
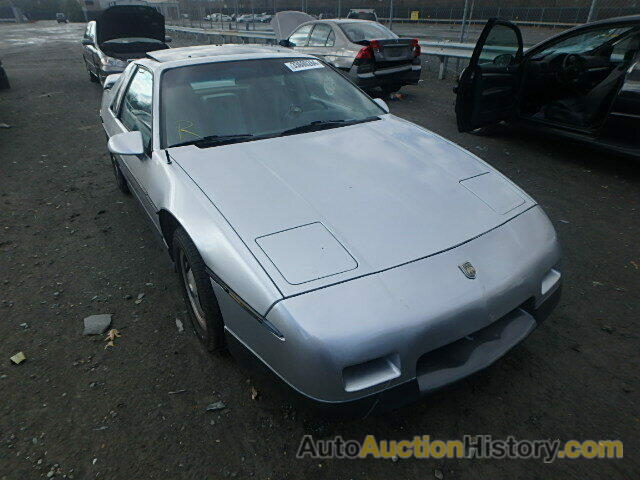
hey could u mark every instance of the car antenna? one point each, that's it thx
(166, 152)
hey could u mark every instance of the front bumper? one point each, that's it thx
(423, 324)
(435, 370)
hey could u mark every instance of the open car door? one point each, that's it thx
(488, 88)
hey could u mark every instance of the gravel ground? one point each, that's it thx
(72, 246)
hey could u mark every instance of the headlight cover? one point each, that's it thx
(113, 62)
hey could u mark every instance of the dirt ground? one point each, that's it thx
(72, 245)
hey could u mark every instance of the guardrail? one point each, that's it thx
(442, 50)
(481, 21)
(264, 34)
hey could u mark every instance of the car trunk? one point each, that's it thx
(387, 53)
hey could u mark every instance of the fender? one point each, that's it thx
(222, 250)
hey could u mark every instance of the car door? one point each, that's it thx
(623, 120)
(135, 113)
(321, 40)
(487, 88)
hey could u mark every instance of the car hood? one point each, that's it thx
(130, 21)
(284, 23)
(323, 207)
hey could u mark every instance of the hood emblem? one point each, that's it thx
(468, 270)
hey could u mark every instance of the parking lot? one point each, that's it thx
(72, 245)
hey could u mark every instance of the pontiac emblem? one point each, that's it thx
(468, 270)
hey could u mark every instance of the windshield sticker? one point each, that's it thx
(300, 65)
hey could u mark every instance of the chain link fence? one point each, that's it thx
(456, 21)
(548, 13)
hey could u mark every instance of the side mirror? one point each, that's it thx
(285, 43)
(110, 80)
(167, 39)
(127, 143)
(87, 41)
(382, 104)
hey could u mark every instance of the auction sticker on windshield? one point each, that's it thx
(300, 65)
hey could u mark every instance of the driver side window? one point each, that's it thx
(135, 112)
(501, 44)
(300, 36)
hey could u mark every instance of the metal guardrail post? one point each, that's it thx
(591, 11)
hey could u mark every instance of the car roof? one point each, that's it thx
(339, 20)
(215, 51)
(628, 18)
(178, 57)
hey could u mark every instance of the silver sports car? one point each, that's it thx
(360, 258)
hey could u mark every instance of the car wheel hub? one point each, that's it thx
(192, 290)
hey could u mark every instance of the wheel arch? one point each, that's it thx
(168, 225)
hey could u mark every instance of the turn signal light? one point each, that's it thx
(365, 53)
(415, 47)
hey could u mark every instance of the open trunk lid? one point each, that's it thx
(284, 23)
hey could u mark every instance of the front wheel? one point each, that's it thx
(92, 77)
(199, 297)
(4, 80)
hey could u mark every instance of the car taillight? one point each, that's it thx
(365, 53)
(415, 47)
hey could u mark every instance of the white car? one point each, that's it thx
(360, 258)
(217, 17)
(247, 18)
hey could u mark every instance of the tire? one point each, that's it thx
(204, 312)
(389, 89)
(121, 181)
(4, 80)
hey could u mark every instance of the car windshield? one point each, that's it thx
(584, 42)
(361, 31)
(250, 99)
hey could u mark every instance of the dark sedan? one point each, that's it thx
(121, 33)
(583, 84)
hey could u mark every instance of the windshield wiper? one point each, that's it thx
(211, 140)
(323, 124)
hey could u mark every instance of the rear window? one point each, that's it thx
(360, 31)
(363, 16)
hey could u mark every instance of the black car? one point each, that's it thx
(120, 34)
(583, 84)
